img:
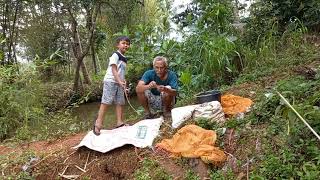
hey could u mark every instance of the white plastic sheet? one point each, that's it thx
(211, 110)
(181, 114)
(140, 135)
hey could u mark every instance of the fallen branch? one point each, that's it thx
(61, 174)
(80, 168)
(49, 155)
(248, 162)
(69, 176)
(91, 162)
(69, 156)
(230, 136)
(85, 165)
(137, 154)
(300, 117)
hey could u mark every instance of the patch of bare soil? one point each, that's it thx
(308, 71)
(120, 163)
(246, 90)
(44, 146)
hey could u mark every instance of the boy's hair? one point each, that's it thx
(160, 58)
(122, 38)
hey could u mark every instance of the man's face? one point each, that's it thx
(160, 68)
(123, 46)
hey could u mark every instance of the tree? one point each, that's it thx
(9, 17)
(81, 44)
(215, 16)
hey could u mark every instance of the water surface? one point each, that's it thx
(89, 111)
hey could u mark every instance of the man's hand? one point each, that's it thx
(162, 88)
(152, 84)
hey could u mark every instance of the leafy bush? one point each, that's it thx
(22, 98)
(24, 112)
(277, 15)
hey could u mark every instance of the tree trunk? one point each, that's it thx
(94, 58)
(236, 12)
(77, 76)
(12, 33)
(3, 26)
(86, 77)
(80, 53)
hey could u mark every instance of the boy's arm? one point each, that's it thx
(116, 75)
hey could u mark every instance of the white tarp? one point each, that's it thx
(211, 110)
(181, 114)
(140, 135)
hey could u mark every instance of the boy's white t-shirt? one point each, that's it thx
(121, 66)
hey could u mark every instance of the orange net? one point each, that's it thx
(193, 141)
(232, 104)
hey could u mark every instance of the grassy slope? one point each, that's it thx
(270, 142)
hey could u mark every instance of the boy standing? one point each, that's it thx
(114, 85)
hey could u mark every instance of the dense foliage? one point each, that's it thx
(278, 16)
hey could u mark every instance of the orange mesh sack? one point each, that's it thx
(193, 141)
(232, 104)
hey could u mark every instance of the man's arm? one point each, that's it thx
(141, 87)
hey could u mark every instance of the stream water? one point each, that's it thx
(88, 112)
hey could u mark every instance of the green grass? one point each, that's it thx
(151, 170)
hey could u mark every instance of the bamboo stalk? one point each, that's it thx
(300, 117)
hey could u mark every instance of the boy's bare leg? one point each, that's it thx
(99, 121)
(144, 102)
(119, 112)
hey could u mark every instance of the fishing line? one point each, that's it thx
(127, 97)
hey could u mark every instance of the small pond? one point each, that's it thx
(89, 111)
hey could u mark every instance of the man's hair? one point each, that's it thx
(160, 58)
(122, 38)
